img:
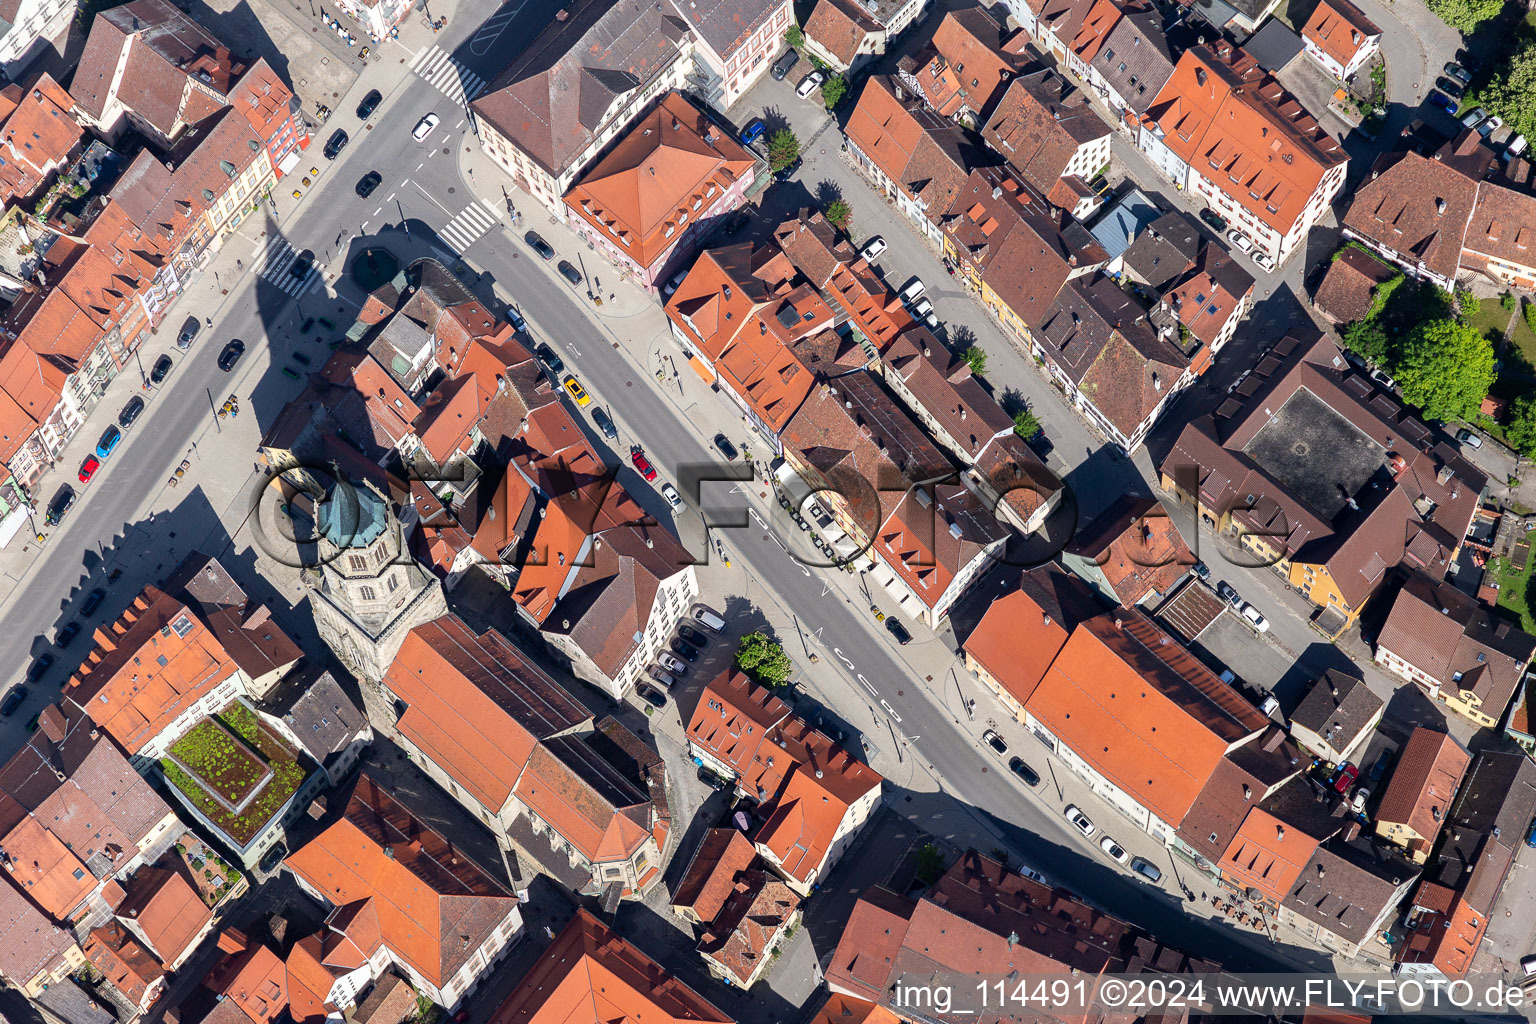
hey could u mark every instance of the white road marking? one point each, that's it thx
(449, 77)
(431, 198)
(380, 209)
(890, 711)
(466, 228)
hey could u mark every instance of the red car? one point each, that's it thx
(1348, 773)
(88, 468)
(642, 463)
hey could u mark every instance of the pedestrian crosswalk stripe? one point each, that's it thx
(466, 228)
(449, 77)
(273, 261)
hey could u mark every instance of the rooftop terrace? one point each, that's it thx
(235, 770)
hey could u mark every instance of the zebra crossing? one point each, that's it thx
(472, 222)
(275, 260)
(447, 75)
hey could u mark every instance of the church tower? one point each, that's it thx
(370, 592)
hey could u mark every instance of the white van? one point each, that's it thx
(913, 291)
(708, 619)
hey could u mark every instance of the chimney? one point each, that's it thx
(1439, 207)
(1118, 623)
(1045, 618)
(1279, 832)
(561, 15)
(1247, 792)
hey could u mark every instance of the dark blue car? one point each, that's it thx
(753, 131)
(1444, 102)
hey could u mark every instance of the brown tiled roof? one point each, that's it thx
(1022, 631)
(552, 99)
(29, 942)
(168, 911)
(587, 800)
(1040, 123)
(942, 384)
(1348, 887)
(40, 132)
(926, 155)
(758, 908)
(727, 25)
(244, 628)
(1339, 29)
(1136, 546)
(1503, 225)
(1424, 782)
(1135, 59)
(589, 975)
(1345, 293)
(1164, 251)
(722, 854)
(840, 27)
(128, 966)
(1417, 207)
(1337, 703)
(966, 64)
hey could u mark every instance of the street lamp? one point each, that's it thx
(585, 278)
(214, 406)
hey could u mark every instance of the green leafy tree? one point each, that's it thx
(1511, 91)
(930, 864)
(1468, 303)
(839, 214)
(783, 149)
(763, 658)
(1520, 432)
(1445, 368)
(977, 357)
(1025, 424)
(794, 37)
(1507, 301)
(1368, 339)
(833, 90)
(1466, 15)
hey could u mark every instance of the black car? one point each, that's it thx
(231, 355)
(273, 857)
(1453, 89)
(13, 700)
(335, 144)
(370, 103)
(1227, 591)
(604, 423)
(725, 447)
(1458, 72)
(785, 173)
(1217, 222)
(60, 504)
(652, 696)
(683, 650)
(160, 370)
(67, 634)
(40, 668)
(93, 601)
(537, 244)
(369, 182)
(549, 360)
(693, 636)
(784, 65)
(569, 272)
(188, 332)
(1024, 771)
(897, 630)
(301, 267)
(130, 412)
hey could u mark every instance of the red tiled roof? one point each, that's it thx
(1423, 784)
(1339, 29)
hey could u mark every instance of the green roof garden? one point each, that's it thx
(235, 770)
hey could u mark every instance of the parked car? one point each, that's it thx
(424, 127)
(67, 634)
(642, 464)
(1450, 87)
(88, 468)
(231, 354)
(913, 291)
(1530, 837)
(1227, 591)
(670, 493)
(707, 618)
(724, 446)
(61, 503)
(569, 272)
(996, 742)
(1264, 260)
(922, 308)
(370, 103)
(1079, 820)
(130, 412)
(549, 360)
(1469, 439)
(673, 664)
(1358, 803)
(188, 331)
(1116, 853)
(784, 65)
(1216, 221)
(1458, 72)
(693, 636)
(537, 244)
(1239, 241)
(335, 144)
(1146, 869)
(1474, 118)
(684, 650)
(809, 84)
(1023, 771)
(874, 248)
(109, 441)
(93, 601)
(40, 667)
(273, 857)
(1444, 102)
(1380, 377)
(604, 423)
(652, 696)
(1490, 126)
(575, 390)
(13, 700)
(1255, 618)
(515, 319)
(1517, 145)
(368, 183)
(753, 131)
(897, 630)
(1201, 571)
(660, 674)
(1345, 777)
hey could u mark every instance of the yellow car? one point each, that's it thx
(576, 391)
